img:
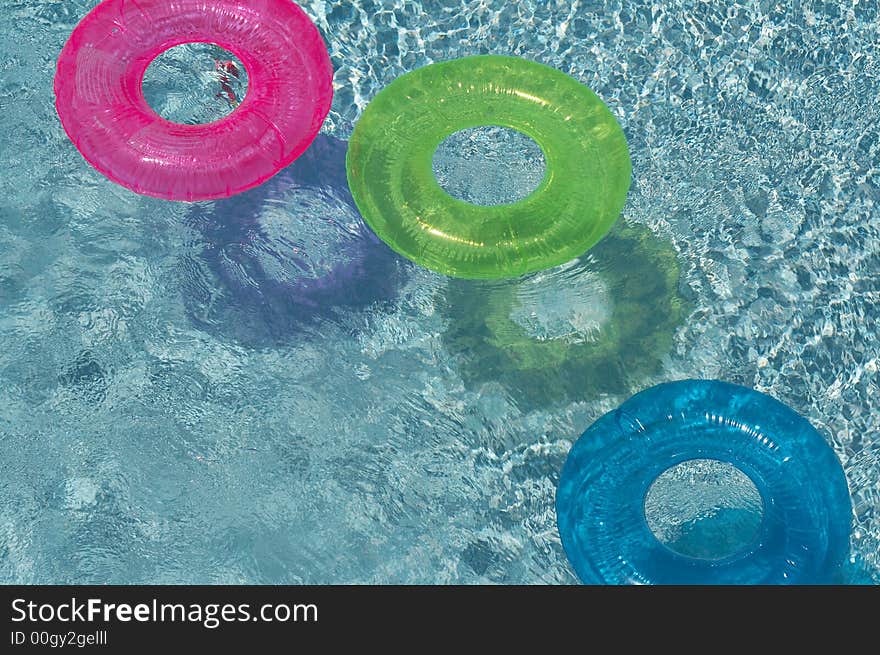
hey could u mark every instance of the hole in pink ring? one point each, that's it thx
(195, 83)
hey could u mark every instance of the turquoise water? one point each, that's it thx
(182, 400)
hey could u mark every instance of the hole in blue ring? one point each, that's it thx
(705, 509)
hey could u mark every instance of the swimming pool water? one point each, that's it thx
(181, 402)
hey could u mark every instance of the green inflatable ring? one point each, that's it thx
(584, 189)
(640, 275)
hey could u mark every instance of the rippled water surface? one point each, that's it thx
(256, 390)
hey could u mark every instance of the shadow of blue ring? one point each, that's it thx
(804, 535)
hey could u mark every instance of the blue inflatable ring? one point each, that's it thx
(804, 535)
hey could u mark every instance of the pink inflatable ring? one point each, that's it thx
(104, 112)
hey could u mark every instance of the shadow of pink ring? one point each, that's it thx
(103, 110)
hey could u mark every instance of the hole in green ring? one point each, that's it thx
(489, 165)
